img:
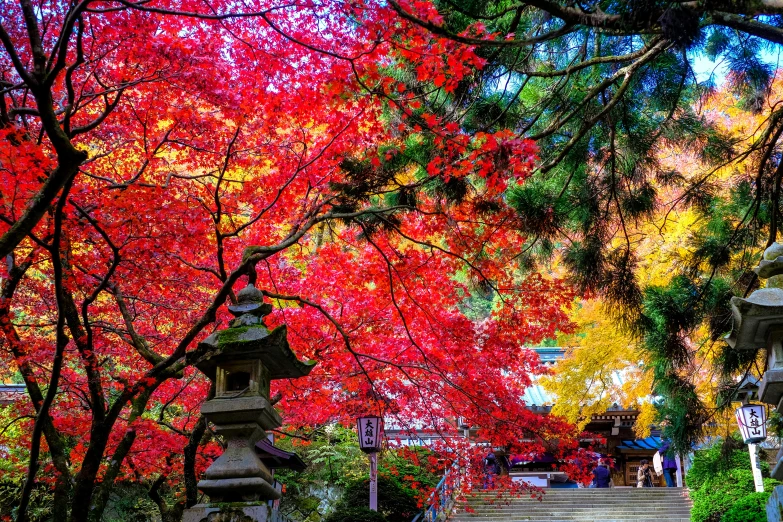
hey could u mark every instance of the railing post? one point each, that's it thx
(444, 490)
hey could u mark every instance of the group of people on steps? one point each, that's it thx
(663, 464)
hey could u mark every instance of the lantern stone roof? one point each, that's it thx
(254, 342)
(275, 458)
(759, 317)
(754, 318)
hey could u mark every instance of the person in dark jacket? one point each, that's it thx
(668, 463)
(491, 469)
(602, 477)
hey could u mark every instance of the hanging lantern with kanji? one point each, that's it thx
(752, 420)
(370, 434)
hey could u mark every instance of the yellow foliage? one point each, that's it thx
(647, 417)
(603, 366)
(584, 381)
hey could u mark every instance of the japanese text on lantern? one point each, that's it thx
(754, 423)
(752, 419)
(369, 432)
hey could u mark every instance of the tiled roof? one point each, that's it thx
(549, 354)
(650, 443)
(536, 395)
(10, 393)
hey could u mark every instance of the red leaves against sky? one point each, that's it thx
(230, 133)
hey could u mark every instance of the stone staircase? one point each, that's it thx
(582, 505)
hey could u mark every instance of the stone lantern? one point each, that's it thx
(243, 359)
(758, 323)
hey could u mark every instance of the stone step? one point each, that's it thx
(566, 509)
(626, 511)
(589, 503)
(573, 505)
(589, 518)
(594, 517)
(578, 505)
(506, 500)
(603, 516)
(579, 498)
(603, 492)
(597, 516)
(582, 497)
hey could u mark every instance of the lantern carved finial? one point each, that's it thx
(250, 308)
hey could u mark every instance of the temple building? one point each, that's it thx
(613, 430)
(614, 427)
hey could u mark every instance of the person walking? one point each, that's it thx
(644, 475)
(668, 464)
(602, 477)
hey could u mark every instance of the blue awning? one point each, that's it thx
(648, 444)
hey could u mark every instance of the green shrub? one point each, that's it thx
(707, 463)
(344, 513)
(129, 502)
(41, 498)
(336, 464)
(395, 501)
(750, 508)
(719, 493)
(721, 479)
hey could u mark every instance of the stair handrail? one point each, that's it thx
(442, 498)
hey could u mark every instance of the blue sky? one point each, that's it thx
(704, 67)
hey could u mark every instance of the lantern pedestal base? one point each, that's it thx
(230, 512)
(777, 471)
(775, 505)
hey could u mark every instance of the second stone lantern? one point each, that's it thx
(247, 357)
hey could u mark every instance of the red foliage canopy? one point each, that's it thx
(154, 153)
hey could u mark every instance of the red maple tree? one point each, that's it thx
(155, 154)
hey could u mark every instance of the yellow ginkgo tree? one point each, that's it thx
(603, 366)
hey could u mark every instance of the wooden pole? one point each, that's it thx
(374, 481)
(754, 463)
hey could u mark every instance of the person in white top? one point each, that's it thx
(658, 463)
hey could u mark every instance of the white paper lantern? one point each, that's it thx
(370, 434)
(752, 420)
